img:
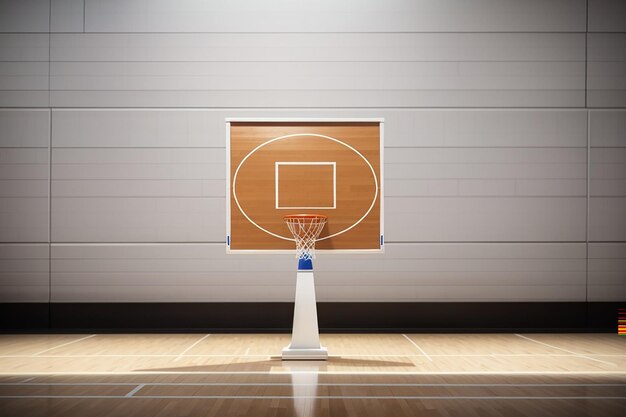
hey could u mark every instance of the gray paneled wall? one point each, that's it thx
(407, 272)
(505, 135)
(318, 70)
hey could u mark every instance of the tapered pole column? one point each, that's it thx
(305, 337)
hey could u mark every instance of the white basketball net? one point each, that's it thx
(305, 230)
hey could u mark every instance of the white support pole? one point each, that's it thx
(305, 337)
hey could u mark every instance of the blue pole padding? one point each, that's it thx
(305, 265)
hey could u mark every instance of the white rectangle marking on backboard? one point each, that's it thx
(333, 164)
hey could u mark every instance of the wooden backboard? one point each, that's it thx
(293, 167)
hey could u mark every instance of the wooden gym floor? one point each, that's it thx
(395, 375)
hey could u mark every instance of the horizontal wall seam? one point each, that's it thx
(295, 109)
(386, 242)
(294, 33)
(357, 61)
(581, 110)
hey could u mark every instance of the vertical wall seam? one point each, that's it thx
(49, 46)
(49, 170)
(49, 206)
(586, 49)
(588, 154)
(588, 205)
(84, 5)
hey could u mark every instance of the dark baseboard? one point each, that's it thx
(24, 316)
(333, 317)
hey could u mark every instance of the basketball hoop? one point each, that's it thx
(305, 229)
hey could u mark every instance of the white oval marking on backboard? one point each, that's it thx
(291, 136)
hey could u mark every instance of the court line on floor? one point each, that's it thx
(317, 397)
(418, 347)
(338, 355)
(180, 355)
(64, 344)
(139, 385)
(315, 372)
(565, 350)
(135, 390)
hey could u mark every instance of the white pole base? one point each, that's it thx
(319, 354)
(305, 336)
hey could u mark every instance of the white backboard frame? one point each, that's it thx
(379, 120)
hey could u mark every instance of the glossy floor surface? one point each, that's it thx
(366, 375)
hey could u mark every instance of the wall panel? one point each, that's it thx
(485, 219)
(606, 70)
(134, 194)
(24, 273)
(608, 128)
(137, 219)
(24, 47)
(607, 16)
(24, 70)
(607, 272)
(24, 15)
(24, 173)
(439, 272)
(24, 128)
(331, 16)
(332, 70)
(67, 15)
(308, 47)
(480, 128)
(607, 186)
(122, 128)
(313, 99)
(333, 76)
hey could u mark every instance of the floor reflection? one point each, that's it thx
(304, 386)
